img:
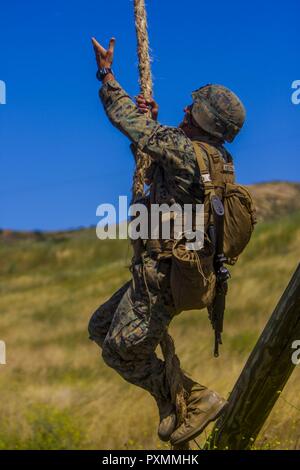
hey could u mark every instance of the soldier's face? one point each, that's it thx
(187, 121)
(187, 117)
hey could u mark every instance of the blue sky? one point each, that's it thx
(60, 157)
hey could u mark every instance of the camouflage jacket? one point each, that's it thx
(176, 176)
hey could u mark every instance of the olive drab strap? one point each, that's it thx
(215, 171)
(204, 169)
(209, 188)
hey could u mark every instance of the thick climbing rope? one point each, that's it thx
(174, 373)
(142, 159)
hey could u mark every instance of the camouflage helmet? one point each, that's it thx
(218, 111)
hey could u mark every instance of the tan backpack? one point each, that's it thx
(192, 275)
(239, 212)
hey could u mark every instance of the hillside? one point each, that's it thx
(275, 199)
(55, 390)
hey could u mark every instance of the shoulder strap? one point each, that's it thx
(209, 188)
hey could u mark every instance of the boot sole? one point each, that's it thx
(212, 416)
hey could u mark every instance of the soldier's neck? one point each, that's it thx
(195, 133)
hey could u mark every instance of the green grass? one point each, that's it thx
(56, 393)
(47, 429)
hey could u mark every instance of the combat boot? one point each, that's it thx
(203, 406)
(167, 419)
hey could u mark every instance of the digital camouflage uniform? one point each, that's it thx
(129, 326)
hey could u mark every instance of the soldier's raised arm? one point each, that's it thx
(168, 145)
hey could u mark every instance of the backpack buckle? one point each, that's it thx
(206, 177)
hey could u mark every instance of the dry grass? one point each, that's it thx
(55, 390)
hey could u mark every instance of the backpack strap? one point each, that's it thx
(209, 188)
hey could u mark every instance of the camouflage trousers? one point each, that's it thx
(129, 326)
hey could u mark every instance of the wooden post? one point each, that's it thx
(263, 377)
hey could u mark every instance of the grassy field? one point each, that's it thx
(55, 391)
